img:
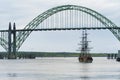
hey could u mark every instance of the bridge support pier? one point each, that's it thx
(12, 47)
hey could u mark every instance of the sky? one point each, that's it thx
(23, 11)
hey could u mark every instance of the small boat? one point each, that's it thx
(118, 56)
(117, 59)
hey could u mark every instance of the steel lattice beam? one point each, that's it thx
(21, 36)
(40, 18)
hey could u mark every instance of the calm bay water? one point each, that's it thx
(59, 69)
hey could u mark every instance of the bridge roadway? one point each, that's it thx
(54, 29)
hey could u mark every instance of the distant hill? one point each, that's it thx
(53, 54)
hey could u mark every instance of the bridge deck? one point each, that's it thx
(54, 29)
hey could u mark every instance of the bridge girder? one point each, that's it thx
(21, 37)
(4, 43)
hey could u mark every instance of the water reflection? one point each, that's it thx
(85, 71)
(85, 77)
(12, 75)
(59, 69)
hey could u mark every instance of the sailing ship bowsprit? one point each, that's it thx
(85, 56)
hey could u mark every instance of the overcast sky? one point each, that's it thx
(23, 11)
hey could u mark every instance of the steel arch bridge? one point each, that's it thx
(65, 17)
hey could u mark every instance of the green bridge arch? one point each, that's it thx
(4, 43)
(21, 37)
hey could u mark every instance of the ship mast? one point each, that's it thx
(84, 56)
(84, 44)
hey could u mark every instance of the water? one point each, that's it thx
(59, 69)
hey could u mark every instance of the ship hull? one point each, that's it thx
(85, 59)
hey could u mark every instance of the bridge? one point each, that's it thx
(65, 17)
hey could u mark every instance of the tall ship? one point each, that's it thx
(84, 49)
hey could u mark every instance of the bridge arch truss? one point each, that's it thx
(96, 20)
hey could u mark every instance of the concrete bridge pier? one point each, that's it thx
(12, 46)
(111, 56)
